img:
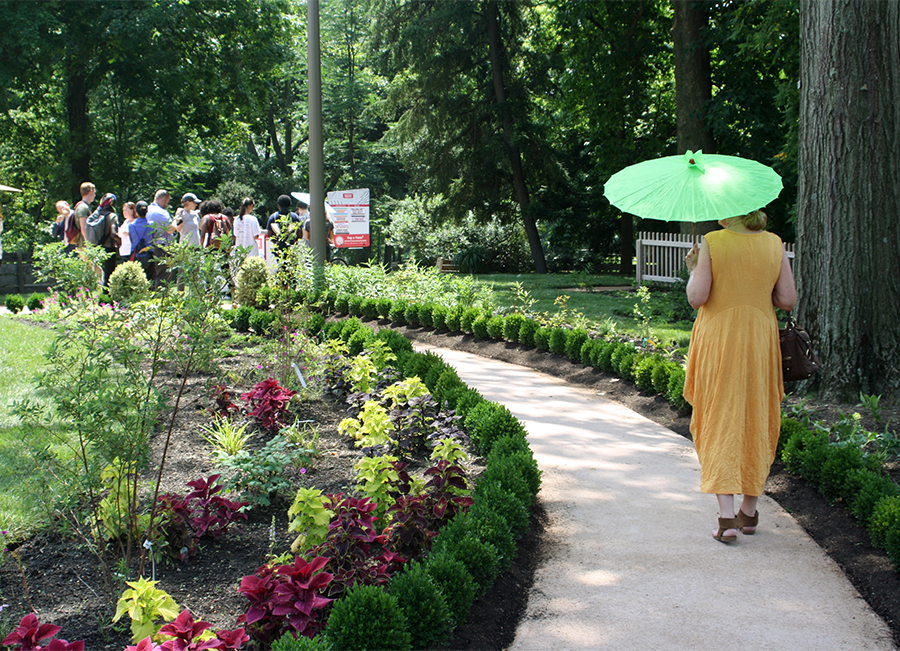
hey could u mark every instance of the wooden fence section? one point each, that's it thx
(17, 274)
(660, 256)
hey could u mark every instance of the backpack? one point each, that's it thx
(97, 228)
(138, 249)
(72, 227)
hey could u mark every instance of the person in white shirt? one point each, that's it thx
(246, 228)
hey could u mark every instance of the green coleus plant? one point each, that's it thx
(145, 604)
(309, 515)
(372, 427)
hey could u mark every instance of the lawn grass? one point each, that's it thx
(21, 357)
(602, 309)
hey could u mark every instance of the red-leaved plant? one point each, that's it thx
(285, 598)
(185, 634)
(269, 402)
(30, 634)
(223, 398)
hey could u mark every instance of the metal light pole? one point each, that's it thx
(316, 146)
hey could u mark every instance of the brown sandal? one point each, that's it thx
(724, 525)
(745, 521)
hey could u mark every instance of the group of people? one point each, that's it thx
(146, 228)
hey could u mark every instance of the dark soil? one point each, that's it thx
(58, 577)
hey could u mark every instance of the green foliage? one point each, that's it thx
(262, 322)
(517, 472)
(512, 323)
(128, 283)
(466, 401)
(384, 306)
(870, 488)
(253, 275)
(73, 275)
(398, 312)
(885, 517)
(603, 359)
(467, 319)
(527, 330)
(675, 389)
(397, 342)
(488, 525)
(643, 371)
(490, 421)
(355, 306)
(314, 325)
(15, 303)
(261, 473)
(506, 503)
(439, 317)
(372, 427)
(541, 338)
(575, 340)
(369, 308)
(841, 460)
(480, 558)
(35, 301)
(411, 315)
(425, 315)
(455, 583)
(342, 304)
(480, 327)
(288, 642)
(367, 617)
(557, 341)
(145, 604)
(240, 318)
(377, 478)
(805, 454)
(454, 319)
(427, 613)
(227, 436)
(789, 428)
(309, 518)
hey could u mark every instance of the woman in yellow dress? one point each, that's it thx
(734, 382)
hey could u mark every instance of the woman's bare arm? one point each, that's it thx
(784, 296)
(700, 283)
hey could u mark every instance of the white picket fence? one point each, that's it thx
(660, 256)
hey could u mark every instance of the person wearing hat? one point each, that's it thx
(187, 219)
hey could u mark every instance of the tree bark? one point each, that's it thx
(848, 198)
(492, 16)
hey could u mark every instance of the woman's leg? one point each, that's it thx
(748, 508)
(726, 512)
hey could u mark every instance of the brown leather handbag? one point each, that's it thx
(798, 360)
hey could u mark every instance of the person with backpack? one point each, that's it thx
(213, 223)
(274, 226)
(76, 222)
(102, 229)
(140, 232)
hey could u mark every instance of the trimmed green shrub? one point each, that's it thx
(495, 326)
(517, 472)
(35, 301)
(675, 391)
(479, 557)
(511, 326)
(789, 427)
(621, 350)
(467, 401)
(355, 306)
(265, 296)
(455, 583)
(625, 366)
(488, 525)
(805, 454)
(342, 304)
(871, 488)
(411, 314)
(508, 445)
(427, 614)
(383, 306)
(397, 342)
(527, 331)
(290, 643)
(253, 274)
(839, 461)
(348, 326)
(327, 300)
(885, 516)
(298, 297)
(575, 340)
(240, 318)
(892, 544)
(367, 617)
(314, 325)
(332, 330)
(370, 308)
(447, 387)
(398, 312)
(643, 371)
(426, 315)
(586, 356)
(488, 422)
(454, 316)
(15, 303)
(479, 327)
(505, 502)
(439, 317)
(603, 357)
(557, 340)
(128, 283)
(261, 322)
(660, 377)
(359, 340)
(467, 318)
(541, 338)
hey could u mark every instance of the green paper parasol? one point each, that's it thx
(693, 187)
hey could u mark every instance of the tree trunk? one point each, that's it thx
(492, 16)
(848, 197)
(693, 85)
(79, 134)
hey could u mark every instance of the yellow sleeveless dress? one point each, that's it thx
(734, 379)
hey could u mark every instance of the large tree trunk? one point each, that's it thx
(848, 198)
(492, 16)
(79, 134)
(693, 85)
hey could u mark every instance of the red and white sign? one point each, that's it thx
(351, 218)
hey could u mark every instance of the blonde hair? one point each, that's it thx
(755, 221)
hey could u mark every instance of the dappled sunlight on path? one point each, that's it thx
(631, 561)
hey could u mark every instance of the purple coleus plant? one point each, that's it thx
(30, 634)
(269, 402)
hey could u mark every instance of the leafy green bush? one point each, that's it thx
(527, 330)
(427, 613)
(505, 502)
(261, 321)
(253, 274)
(455, 583)
(467, 401)
(490, 421)
(348, 327)
(265, 297)
(370, 308)
(454, 315)
(789, 427)
(355, 306)
(557, 340)
(575, 340)
(805, 454)
(332, 330)
(359, 340)
(128, 283)
(240, 318)
(342, 304)
(892, 544)
(35, 301)
(411, 314)
(885, 516)
(398, 312)
(426, 315)
(541, 338)
(448, 383)
(395, 341)
(480, 558)
(621, 351)
(479, 327)
(871, 488)
(643, 371)
(314, 325)
(384, 306)
(675, 390)
(511, 326)
(495, 326)
(517, 472)
(467, 318)
(839, 461)
(488, 525)
(439, 317)
(367, 617)
(586, 356)
(625, 366)
(290, 643)
(508, 445)
(603, 356)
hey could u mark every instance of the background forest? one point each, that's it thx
(482, 127)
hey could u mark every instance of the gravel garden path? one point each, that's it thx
(631, 563)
